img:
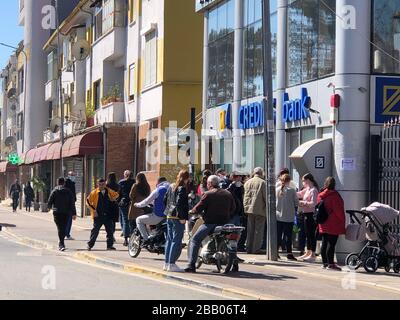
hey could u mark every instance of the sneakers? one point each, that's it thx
(174, 268)
(61, 248)
(165, 267)
(89, 248)
(291, 257)
(190, 270)
(126, 243)
(69, 238)
(111, 249)
(334, 267)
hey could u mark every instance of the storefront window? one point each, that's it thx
(221, 53)
(311, 40)
(259, 151)
(307, 134)
(226, 154)
(386, 36)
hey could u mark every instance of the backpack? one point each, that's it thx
(321, 214)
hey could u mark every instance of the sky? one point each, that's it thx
(10, 32)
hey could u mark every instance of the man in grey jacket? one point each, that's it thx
(255, 209)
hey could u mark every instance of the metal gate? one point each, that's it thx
(385, 168)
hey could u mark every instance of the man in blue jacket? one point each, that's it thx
(156, 198)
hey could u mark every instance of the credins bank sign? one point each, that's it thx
(294, 110)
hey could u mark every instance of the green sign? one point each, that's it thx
(14, 159)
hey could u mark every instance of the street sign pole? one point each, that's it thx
(269, 134)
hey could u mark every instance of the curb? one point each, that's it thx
(132, 268)
(136, 269)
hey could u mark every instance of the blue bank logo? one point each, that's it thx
(294, 110)
(387, 99)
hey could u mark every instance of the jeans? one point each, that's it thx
(328, 248)
(68, 227)
(123, 216)
(173, 247)
(235, 220)
(243, 236)
(202, 232)
(15, 204)
(98, 222)
(302, 232)
(285, 232)
(147, 219)
(61, 221)
(310, 228)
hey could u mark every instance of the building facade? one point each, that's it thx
(333, 89)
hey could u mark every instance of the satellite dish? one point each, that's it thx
(11, 142)
(11, 93)
(80, 50)
(55, 124)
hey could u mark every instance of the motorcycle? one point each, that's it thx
(156, 243)
(219, 248)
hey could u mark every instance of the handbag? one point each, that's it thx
(124, 203)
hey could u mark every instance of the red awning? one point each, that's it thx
(5, 166)
(30, 156)
(41, 153)
(53, 153)
(86, 144)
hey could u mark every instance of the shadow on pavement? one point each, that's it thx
(6, 225)
(250, 275)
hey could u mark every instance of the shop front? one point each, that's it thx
(8, 174)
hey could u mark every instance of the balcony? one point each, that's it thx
(51, 90)
(112, 112)
(111, 46)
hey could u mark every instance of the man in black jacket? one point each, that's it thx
(216, 206)
(124, 204)
(62, 202)
(15, 192)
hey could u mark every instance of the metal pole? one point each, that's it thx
(193, 143)
(60, 90)
(269, 134)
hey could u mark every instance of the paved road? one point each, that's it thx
(28, 274)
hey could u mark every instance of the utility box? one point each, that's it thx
(314, 157)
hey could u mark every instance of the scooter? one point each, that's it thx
(220, 248)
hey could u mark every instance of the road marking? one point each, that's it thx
(30, 254)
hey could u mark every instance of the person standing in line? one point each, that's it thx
(255, 209)
(113, 185)
(334, 226)
(177, 212)
(286, 203)
(29, 196)
(62, 202)
(237, 190)
(70, 185)
(100, 203)
(308, 200)
(223, 179)
(203, 184)
(125, 187)
(140, 191)
(15, 192)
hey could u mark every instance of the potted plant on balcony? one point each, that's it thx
(115, 94)
(90, 113)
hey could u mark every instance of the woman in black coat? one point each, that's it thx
(29, 196)
(112, 183)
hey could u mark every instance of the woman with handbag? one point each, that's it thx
(139, 191)
(177, 212)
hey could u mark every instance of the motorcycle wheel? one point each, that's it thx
(134, 246)
(396, 267)
(229, 265)
(223, 258)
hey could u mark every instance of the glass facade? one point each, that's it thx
(386, 36)
(221, 53)
(311, 40)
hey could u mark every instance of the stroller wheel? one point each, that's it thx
(371, 264)
(387, 268)
(353, 261)
(396, 267)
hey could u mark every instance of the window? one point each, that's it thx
(21, 80)
(386, 35)
(19, 126)
(97, 93)
(150, 59)
(98, 23)
(311, 40)
(51, 66)
(259, 151)
(132, 82)
(111, 14)
(221, 54)
(307, 134)
(108, 16)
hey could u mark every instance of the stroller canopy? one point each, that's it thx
(382, 212)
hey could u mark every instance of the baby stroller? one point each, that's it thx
(382, 249)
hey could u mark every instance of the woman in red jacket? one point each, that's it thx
(334, 225)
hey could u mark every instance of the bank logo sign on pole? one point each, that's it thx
(387, 99)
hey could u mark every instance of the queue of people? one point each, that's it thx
(220, 198)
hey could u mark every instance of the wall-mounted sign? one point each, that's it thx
(348, 164)
(225, 117)
(294, 110)
(319, 162)
(251, 116)
(387, 99)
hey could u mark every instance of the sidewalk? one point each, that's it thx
(257, 279)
